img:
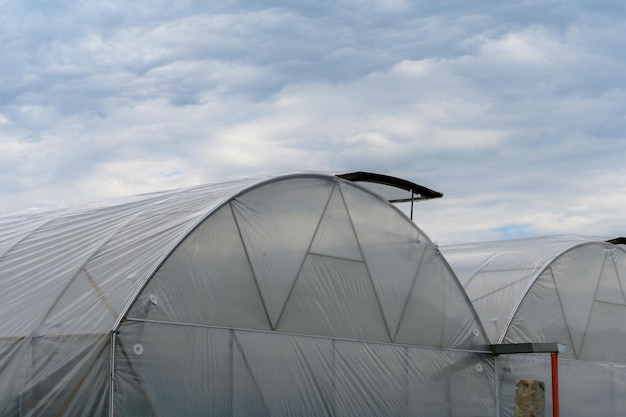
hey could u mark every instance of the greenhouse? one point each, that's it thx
(568, 289)
(305, 294)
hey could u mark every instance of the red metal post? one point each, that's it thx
(555, 384)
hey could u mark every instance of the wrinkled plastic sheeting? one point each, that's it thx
(61, 266)
(578, 300)
(541, 289)
(585, 388)
(55, 376)
(313, 256)
(67, 276)
(167, 370)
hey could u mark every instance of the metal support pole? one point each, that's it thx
(496, 365)
(554, 358)
(112, 375)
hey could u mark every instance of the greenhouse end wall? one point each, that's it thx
(303, 297)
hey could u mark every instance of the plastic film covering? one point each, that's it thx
(55, 376)
(573, 293)
(585, 388)
(303, 296)
(579, 301)
(498, 276)
(66, 276)
(567, 289)
(318, 256)
(168, 369)
(301, 254)
(58, 268)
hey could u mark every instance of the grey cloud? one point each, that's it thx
(509, 109)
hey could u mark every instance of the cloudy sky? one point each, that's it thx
(515, 110)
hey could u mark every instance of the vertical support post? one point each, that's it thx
(554, 358)
(412, 199)
(112, 374)
(497, 376)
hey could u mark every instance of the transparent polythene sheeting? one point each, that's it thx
(585, 388)
(75, 270)
(576, 297)
(273, 259)
(579, 301)
(55, 376)
(67, 278)
(164, 370)
(15, 226)
(61, 267)
(496, 275)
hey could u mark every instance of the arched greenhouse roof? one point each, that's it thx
(568, 289)
(74, 270)
(143, 305)
(77, 270)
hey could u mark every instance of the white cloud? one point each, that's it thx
(515, 112)
(127, 177)
(533, 47)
